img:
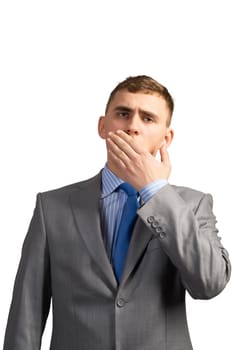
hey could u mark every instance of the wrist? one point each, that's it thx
(151, 189)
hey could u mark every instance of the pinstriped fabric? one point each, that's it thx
(112, 203)
(149, 190)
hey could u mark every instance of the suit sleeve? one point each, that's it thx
(32, 290)
(190, 239)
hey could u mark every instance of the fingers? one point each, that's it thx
(116, 153)
(129, 140)
(121, 145)
(138, 168)
(165, 155)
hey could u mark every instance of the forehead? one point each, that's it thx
(139, 100)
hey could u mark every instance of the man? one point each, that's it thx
(115, 285)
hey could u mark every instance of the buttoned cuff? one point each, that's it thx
(151, 189)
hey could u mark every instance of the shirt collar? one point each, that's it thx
(110, 182)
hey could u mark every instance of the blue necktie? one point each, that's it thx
(125, 229)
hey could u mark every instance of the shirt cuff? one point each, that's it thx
(151, 189)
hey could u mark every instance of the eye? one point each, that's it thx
(123, 114)
(148, 119)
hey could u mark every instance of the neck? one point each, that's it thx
(114, 169)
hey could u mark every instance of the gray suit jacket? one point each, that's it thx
(174, 248)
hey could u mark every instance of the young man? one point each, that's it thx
(119, 285)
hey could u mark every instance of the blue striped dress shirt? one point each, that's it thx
(112, 203)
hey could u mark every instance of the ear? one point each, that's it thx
(101, 127)
(168, 137)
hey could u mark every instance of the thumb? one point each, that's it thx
(164, 155)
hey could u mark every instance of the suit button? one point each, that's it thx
(155, 225)
(150, 219)
(162, 235)
(158, 229)
(120, 302)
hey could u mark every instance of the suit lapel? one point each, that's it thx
(85, 206)
(85, 203)
(141, 236)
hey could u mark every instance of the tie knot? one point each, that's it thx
(128, 189)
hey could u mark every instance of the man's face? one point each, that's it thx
(143, 116)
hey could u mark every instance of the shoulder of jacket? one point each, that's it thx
(67, 189)
(189, 194)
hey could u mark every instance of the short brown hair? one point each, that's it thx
(145, 84)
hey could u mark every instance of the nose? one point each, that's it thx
(133, 126)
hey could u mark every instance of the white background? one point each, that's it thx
(60, 59)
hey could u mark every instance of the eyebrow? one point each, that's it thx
(122, 108)
(128, 109)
